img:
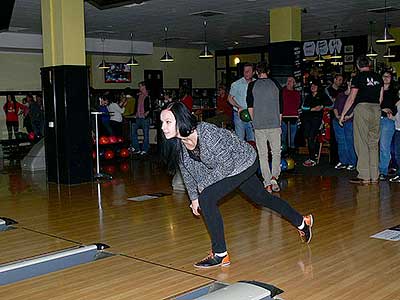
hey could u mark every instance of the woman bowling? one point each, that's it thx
(214, 162)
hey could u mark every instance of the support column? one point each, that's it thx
(285, 43)
(65, 89)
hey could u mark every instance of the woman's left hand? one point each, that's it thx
(195, 207)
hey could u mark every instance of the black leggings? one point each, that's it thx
(12, 125)
(248, 183)
(311, 130)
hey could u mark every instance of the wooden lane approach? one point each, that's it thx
(51, 262)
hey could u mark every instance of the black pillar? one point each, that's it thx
(285, 60)
(68, 142)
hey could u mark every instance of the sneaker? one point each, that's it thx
(213, 260)
(275, 185)
(143, 153)
(268, 188)
(309, 163)
(351, 168)
(305, 233)
(340, 166)
(133, 150)
(383, 177)
(395, 179)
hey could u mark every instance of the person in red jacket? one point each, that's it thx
(187, 98)
(12, 108)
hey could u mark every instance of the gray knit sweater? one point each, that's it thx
(222, 155)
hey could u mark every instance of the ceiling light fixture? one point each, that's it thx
(103, 65)
(371, 51)
(205, 53)
(132, 61)
(335, 55)
(166, 57)
(319, 59)
(388, 54)
(387, 37)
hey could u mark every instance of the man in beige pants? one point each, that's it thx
(366, 95)
(264, 101)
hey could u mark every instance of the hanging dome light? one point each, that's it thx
(166, 57)
(388, 54)
(103, 65)
(205, 53)
(371, 52)
(320, 59)
(132, 61)
(387, 37)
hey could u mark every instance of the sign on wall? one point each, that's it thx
(322, 47)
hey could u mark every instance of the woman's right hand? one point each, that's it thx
(195, 207)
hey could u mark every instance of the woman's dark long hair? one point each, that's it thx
(392, 86)
(186, 123)
(12, 98)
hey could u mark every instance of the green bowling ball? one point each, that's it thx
(245, 115)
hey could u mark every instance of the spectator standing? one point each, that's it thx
(12, 108)
(396, 178)
(387, 126)
(142, 120)
(37, 116)
(367, 94)
(105, 127)
(187, 98)
(237, 98)
(344, 134)
(116, 109)
(264, 101)
(312, 111)
(291, 105)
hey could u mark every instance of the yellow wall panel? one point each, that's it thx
(285, 24)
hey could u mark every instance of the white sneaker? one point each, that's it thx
(340, 166)
(351, 168)
(395, 179)
(275, 185)
(143, 152)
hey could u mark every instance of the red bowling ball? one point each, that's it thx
(112, 139)
(109, 154)
(103, 140)
(124, 153)
(124, 167)
(31, 136)
(110, 169)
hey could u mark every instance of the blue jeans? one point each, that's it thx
(293, 130)
(145, 125)
(385, 139)
(397, 148)
(244, 130)
(345, 140)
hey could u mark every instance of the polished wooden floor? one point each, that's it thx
(157, 241)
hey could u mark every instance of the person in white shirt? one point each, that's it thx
(116, 110)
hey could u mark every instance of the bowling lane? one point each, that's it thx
(20, 243)
(116, 277)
